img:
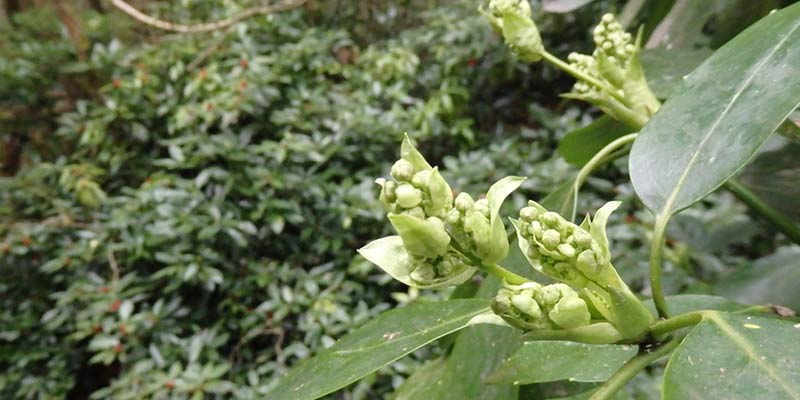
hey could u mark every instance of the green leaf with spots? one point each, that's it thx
(729, 356)
(376, 344)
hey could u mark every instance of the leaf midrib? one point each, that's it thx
(667, 208)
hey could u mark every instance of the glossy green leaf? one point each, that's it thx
(730, 356)
(376, 344)
(547, 361)
(665, 68)
(579, 146)
(709, 131)
(477, 352)
(770, 280)
(418, 385)
(683, 25)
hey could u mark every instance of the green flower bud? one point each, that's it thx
(402, 170)
(535, 229)
(390, 188)
(421, 178)
(464, 202)
(551, 238)
(587, 263)
(570, 312)
(566, 250)
(453, 217)
(408, 196)
(415, 212)
(526, 305)
(528, 214)
(482, 206)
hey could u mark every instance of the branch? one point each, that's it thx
(208, 26)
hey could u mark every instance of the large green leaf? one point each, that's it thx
(580, 145)
(665, 68)
(724, 112)
(547, 361)
(418, 385)
(730, 356)
(376, 344)
(770, 280)
(478, 350)
(683, 25)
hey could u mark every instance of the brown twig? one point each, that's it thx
(112, 262)
(208, 26)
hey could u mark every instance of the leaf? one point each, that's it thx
(770, 280)
(683, 25)
(478, 350)
(774, 177)
(496, 195)
(418, 385)
(410, 153)
(547, 361)
(684, 303)
(730, 356)
(563, 6)
(721, 117)
(579, 146)
(379, 342)
(391, 256)
(665, 68)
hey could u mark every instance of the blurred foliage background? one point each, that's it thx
(179, 213)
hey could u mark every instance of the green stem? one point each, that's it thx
(630, 369)
(605, 155)
(505, 274)
(764, 210)
(580, 75)
(661, 328)
(656, 249)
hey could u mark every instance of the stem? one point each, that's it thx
(505, 274)
(662, 328)
(764, 210)
(602, 157)
(579, 75)
(656, 249)
(630, 369)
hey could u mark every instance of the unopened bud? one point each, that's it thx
(408, 196)
(402, 170)
(551, 238)
(421, 178)
(528, 214)
(464, 202)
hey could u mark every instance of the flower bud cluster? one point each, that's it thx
(512, 18)
(431, 271)
(421, 193)
(469, 221)
(563, 249)
(611, 39)
(586, 65)
(496, 9)
(534, 306)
